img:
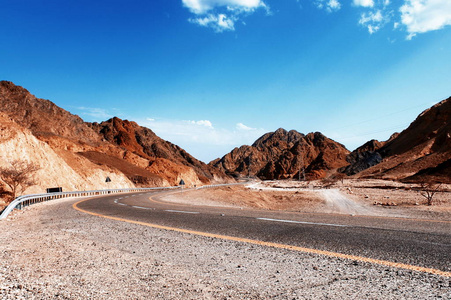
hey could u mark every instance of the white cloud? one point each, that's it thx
(241, 126)
(371, 17)
(333, 5)
(200, 138)
(205, 123)
(328, 5)
(372, 29)
(364, 3)
(421, 16)
(202, 6)
(373, 20)
(219, 22)
(95, 114)
(221, 15)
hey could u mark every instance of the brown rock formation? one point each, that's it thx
(55, 168)
(422, 150)
(145, 143)
(282, 154)
(131, 154)
(43, 117)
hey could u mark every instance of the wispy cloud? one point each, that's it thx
(201, 138)
(411, 16)
(328, 5)
(364, 3)
(373, 20)
(95, 114)
(421, 16)
(219, 22)
(221, 15)
(205, 123)
(241, 126)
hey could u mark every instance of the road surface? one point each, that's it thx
(412, 243)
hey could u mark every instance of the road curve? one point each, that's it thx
(420, 245)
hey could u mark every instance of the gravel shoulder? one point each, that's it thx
(50, 251)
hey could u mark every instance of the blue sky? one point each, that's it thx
(211, 75)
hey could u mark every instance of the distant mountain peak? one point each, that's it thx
(281, 154)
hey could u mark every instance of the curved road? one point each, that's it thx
(421, 245)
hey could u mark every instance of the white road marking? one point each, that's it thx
(115, 201)
(141, 207)
(122, 204)
(301, 222)
(183, 212)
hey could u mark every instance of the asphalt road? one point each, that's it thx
(414, 242)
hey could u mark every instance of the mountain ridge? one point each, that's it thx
(134, 153)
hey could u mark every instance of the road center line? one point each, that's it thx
(302, 222)
(181, 211)
(273, 245)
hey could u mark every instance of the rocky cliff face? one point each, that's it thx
(18, 143)
(144, 143)
(282, 154)
(78, 155)
(42, 117)
(421, 151)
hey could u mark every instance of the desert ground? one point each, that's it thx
(352, 196)
(51, 251)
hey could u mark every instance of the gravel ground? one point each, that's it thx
(50, 251)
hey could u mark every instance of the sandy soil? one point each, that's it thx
(242, 196)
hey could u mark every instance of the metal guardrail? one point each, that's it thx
(26, 200)
(219, 185)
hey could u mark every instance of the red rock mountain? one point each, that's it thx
(120, 146)
(282, 154)
(146, 144)
(421, 151)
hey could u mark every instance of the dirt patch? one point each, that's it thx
(353, 196)
(241, 196)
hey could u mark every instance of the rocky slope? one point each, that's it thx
(365, 156)
(18, 143)
(420, 152)
(282, 154)
(78, 155)
(146, 144)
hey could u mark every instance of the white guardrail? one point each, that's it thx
(26, 200)
(219, 185)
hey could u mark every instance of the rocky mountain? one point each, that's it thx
(78, 155)
(42, 117)
(161, 155)
(421, 151)
(365, 156)
(285, 154)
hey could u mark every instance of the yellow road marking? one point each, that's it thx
(273, 245)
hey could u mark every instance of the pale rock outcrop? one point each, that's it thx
(17, 143)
